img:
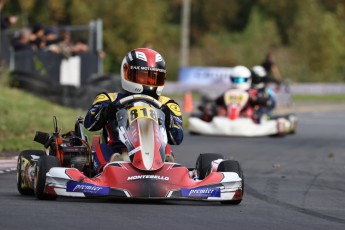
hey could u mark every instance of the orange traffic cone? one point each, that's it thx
(188, 102)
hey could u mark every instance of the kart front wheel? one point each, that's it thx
(203, 163)
(232, 166)
(44, 164)
(26, 160)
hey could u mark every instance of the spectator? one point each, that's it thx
(80, 46)
(52, 39)
(37, 37)
(66, 45)
(22, 41)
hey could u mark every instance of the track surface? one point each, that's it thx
(295, 182)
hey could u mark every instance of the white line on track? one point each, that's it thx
(8, 165)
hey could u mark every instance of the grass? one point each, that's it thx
(331, 98)
(22, 114)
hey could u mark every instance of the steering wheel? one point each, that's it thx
(139, 97)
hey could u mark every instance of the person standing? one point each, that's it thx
(271, 69)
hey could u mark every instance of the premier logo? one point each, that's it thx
(201, 192)
(81, 187)
(151, 177)
(73, 186)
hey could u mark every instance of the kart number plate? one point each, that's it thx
(141, 112)
(235, 98)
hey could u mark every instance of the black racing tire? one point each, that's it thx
(26, 154)
(232, 166)
(44, 164)
(203, 163)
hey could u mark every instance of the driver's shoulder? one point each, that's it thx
(164, 99)
(105, 97)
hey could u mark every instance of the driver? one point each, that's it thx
(143, 71)
(262, 98)
(240, 78)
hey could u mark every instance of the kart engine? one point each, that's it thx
(71, 149)
(75, 153)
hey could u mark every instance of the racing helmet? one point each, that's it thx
(240, 77)
(259, 77)
(143, 71)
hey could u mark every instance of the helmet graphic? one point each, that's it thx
(143, 71)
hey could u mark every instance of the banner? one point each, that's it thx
(70, 71)
(205, 75)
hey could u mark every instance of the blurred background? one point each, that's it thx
(306, 37)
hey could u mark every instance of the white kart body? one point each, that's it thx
(240, 127)
(234, 125)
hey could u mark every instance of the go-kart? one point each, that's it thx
(233, 122)
(65, 168)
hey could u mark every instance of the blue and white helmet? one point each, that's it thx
(240, 78)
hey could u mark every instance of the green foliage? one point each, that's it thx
(39, 66)
(127, 24)
(259, 36)
(334, 98)
(318, 43)
(305, 36)
(245, 48)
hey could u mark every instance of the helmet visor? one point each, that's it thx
(146, 77)
(238, 80)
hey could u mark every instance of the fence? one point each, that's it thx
(72, 81)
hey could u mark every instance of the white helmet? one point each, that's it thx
(259, 77)
(240, 78)
(143, 71)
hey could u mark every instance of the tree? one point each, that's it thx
(318, 41)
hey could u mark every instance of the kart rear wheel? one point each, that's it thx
(21, 180)
(232, 166)
(44, 164)
(203, 163)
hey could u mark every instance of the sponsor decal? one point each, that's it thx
(148, 68)
(178, 120)
(174, 108)
(99, 98)
(73, 186)
(150, 177)
(137, 149)
(200, 192)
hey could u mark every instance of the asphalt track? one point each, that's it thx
(295, 182)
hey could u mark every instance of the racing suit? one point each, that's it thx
(98, 118)
(258, 107)
(263, 102)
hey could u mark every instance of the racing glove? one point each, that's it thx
(110, 111)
